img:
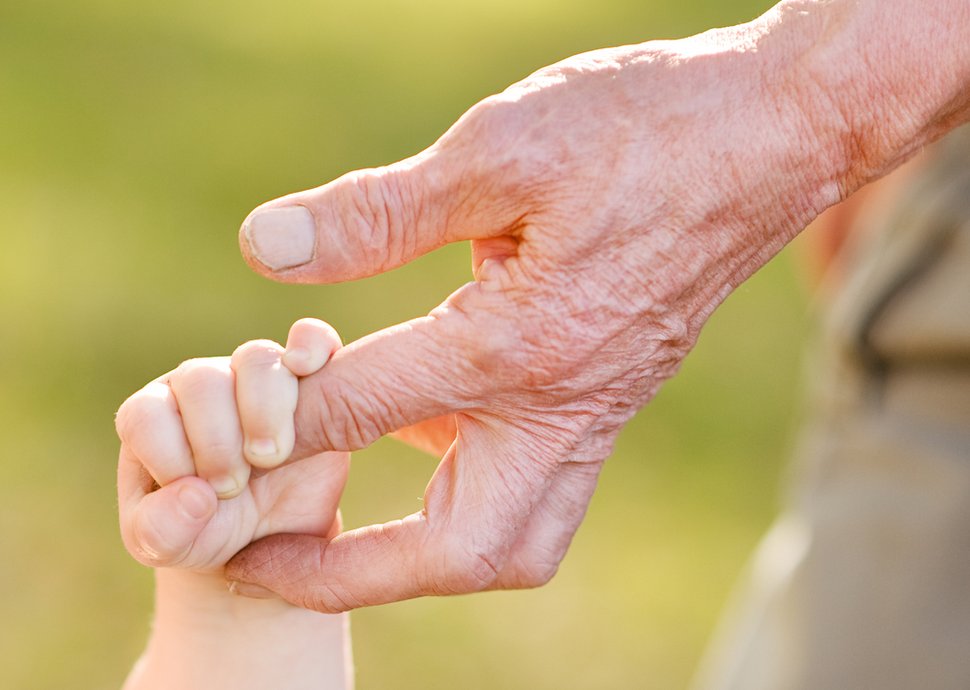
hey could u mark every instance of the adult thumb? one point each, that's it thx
(370, 221)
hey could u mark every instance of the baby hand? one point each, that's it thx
(187, 495)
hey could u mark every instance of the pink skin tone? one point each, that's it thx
(182, 436)
(612, 201)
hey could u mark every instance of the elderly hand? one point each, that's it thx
(612, 201)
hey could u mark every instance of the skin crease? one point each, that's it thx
(613, 201)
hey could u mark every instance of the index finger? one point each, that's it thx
(149, 424)
(452, 360)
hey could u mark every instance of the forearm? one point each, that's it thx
(804, 105)
(880, 78)
(205, 637)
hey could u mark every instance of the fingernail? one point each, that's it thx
(193, 502)
(281, 237)
(299, 361)
(226, 486)
(296, 355)
(262, 448)
(245, 589)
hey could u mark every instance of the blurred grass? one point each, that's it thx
(133, 139)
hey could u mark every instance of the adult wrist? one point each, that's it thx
(876, 79)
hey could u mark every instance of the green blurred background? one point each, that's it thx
(134, 137)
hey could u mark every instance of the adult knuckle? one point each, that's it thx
(543, 574)
(536, 574)
(496, 350)
(345, 418)
(493, 119)
(470, 570)
(380, 208)
(304, 563)
(494, 152)
(504, 139)
(327, 598)
(532, 353)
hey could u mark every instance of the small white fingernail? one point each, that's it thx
(296, 356)
(263, 448)
(305, 362)
(281, 237)
(226, 486)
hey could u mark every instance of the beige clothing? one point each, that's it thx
(864, 582)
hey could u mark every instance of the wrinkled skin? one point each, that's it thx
(613, 201)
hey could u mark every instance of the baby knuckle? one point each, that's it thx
(189, 366)
(149, 547)
(219, 454)
(148, 557)
(198, 375)
(131, 416)
(192, 369)
(256, 353)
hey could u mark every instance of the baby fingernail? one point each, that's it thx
(296, 356)
(263, 448)
(281, 237)
(193, 502)
(226, 486)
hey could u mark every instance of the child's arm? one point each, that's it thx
(185, 438)
(207, 638)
